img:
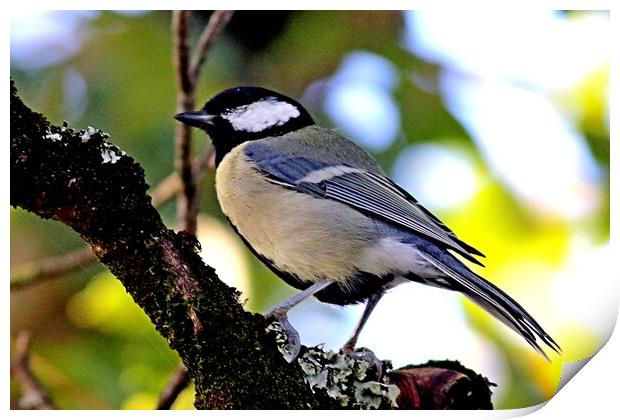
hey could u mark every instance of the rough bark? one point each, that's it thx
(440, 385)
(87, 183)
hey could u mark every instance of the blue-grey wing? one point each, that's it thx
(366, 191)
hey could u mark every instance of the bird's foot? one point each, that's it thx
(366, 356)
(288, 339)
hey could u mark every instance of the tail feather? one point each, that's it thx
(494, 301)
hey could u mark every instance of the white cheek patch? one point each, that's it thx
(261, 115)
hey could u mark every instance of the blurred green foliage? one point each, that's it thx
(94, 348)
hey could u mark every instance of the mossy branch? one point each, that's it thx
(89, 184)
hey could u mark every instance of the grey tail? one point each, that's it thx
(493, 300)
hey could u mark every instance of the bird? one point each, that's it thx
(319, 211)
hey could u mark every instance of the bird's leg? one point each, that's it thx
(370, 306)
(279, 313)
(280, 310)
(349, 347)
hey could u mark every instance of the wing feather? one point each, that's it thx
(497, 303)
(363, 190)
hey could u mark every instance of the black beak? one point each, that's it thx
(198, 119)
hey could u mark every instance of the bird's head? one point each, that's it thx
(244, 113)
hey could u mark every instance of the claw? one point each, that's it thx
(288, 341)
(293, 346)
(367, 356)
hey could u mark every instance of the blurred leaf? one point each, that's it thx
(423, 113)
(513, 226)
(313, 44)
(140, 401)
(105, 305)
(590, 101)
(141, 360)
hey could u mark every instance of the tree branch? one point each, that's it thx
(187, 75)
(440, 385)
(34, 395)
(217, 22)
(187, 204)
(187, 79)
(176, 384)
(87, 183)
(30, 273)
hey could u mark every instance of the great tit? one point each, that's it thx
(318, 210)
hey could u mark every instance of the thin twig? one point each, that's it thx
(166, 189)
(53, 267)
(188, 73)
(171, 185)
(217, 22)
(204, 162)
(187, 206)
(176, 384)
(180, 27)
(34, 395)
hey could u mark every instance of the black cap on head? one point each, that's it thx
(245, 113)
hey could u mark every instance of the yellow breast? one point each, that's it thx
(311, 237)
